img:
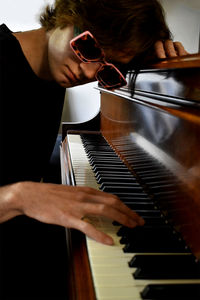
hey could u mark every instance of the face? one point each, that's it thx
(66, 68)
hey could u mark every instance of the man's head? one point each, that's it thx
(130, 26)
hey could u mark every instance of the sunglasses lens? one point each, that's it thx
(109, 77)
(87, 47)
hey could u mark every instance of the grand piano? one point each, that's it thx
(145, 151)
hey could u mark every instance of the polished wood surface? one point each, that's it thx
(186, 61)
(80, 284)
(163, 113)
(167, 114)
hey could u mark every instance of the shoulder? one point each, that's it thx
(8, 43)
(6, 33)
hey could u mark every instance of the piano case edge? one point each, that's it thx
(80, 283)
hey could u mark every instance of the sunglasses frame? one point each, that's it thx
(101, 60)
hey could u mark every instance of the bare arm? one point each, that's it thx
(65, 206)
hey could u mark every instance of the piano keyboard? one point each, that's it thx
(133, 268)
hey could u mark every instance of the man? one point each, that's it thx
(36, 67)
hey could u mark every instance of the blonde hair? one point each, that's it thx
(116, 24)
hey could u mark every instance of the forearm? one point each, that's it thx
(9, 199)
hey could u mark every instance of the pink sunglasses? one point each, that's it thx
(87, 49)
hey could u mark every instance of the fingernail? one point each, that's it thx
(109, 241)
(133, 223)
(141, 221)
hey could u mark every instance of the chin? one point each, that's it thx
(64, 84)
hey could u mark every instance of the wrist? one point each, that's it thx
(10, 202)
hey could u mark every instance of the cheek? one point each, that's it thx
(56, 59)
(57, 66)
(61, 54)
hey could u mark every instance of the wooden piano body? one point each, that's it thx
(161, 115)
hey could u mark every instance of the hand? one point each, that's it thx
(66, 205)
(169, 48)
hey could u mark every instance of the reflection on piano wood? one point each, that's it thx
(148, 154)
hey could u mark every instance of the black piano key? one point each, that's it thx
(140, 205)
(162, 187)
(152, 248)
(158, 182)
(124, 231)
(152, 173)
(155, 220)
(155, 178)
(105, 168)
(99, 158)
(139, 159)
(98, 146)
(171, 292)
(134, 155)
(100, 175)
(92, 149)
(118, 179)
(121, 184)
(149, 220)
(139, 261)
(147, 232)
(144, 162)
(133, 149)
(165, 194)
(128, 239)
(105, 161)
(131, 194)
(166, 272)
(143, 168)
(102, 154)
(137, 162)
(122, 189)
(152, 243)
(143, 201)
(130, 199)
(106, 173)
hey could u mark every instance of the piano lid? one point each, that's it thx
(175, 80)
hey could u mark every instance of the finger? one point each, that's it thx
(180, 50)
(169, 48)
(117, 204)
(109, 212)
(112, 201)
(159, 49)
(91, 231)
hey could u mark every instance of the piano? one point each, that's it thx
(145, 151)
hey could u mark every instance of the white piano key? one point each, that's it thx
(118, 293)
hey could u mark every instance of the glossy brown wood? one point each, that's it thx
(173, 131)
(121, 116)
(186, 61)
(80, 284)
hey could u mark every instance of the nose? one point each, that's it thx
(89, 69)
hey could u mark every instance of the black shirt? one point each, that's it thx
(32, 254)
(30, 113)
